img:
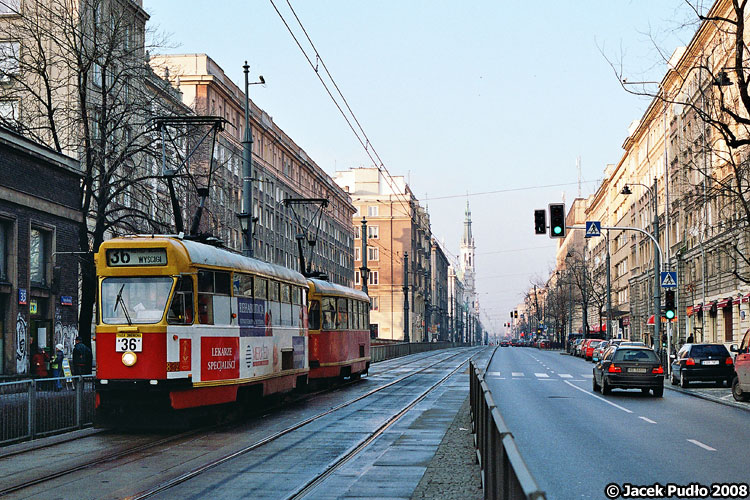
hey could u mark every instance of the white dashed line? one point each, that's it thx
(517, 374)
(565, 375)
(493, 374)
(541, 375)
(598, 397)
(704, 446)
(647, 420)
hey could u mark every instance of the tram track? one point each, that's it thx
(167, 485)
(203, 431)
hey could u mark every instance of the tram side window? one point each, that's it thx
(328, 307)
(313, 315)
(358, 305)
(243, 285)
(274, 305)
(352, 314)
(260, 292)
(181, 309)
(342, 316)
(286, 305)
(214, 305)
(296, 307)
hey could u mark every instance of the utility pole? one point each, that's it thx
(584, 299)
(406, 297)
(608, 335)
(247, 168)
(363, 270)
(657, 281)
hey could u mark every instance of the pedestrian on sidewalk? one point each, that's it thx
(82, 358)
(39, 362)
(56, 366)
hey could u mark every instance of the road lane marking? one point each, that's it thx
(541, 375)
(565, 375)
(493, 374)
(704, 446)
(598, 397)
(587, 375)
(647, 420)
(517, 374)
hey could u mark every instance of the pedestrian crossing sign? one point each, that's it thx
(669, 279)
(593, 228)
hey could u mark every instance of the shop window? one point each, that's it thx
(181, 309)
(38, 257)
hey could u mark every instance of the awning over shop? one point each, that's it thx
(724, 303)
(598, 329)
(746, 298)
(651, 319)
(737, 301)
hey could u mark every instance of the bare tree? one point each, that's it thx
(77, 80)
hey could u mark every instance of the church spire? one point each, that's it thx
(467, 239)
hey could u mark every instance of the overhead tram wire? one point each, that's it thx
(509, 190)
(379, 163)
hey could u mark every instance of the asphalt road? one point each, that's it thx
(576, 442)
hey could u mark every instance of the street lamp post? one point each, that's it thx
(657, 284)
(246, 217)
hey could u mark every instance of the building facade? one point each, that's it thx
(39, 224)
(281, 170)
(398, 231)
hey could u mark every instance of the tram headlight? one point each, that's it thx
(129, 358)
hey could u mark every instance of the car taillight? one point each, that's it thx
(729, 361)
(614, 369)
(690, 362)
(657, 370)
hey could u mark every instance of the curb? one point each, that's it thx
(707, 397)
(15, 449)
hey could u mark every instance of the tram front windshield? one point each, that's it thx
(135, 300)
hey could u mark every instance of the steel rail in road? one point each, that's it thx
(333, 467)
(48, 476)
(273, 437)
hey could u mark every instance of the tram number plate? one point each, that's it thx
(637, 370)
(129, 342)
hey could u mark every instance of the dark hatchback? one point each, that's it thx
(702, 362)
(629, 367)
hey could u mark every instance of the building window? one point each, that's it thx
(372, 278)
(38, 257)
(357, 253)
(373, 253)
(372, 211)
(374, 303)
(357, 277)
(8, 59)
(96, 74)
(373, 232)
(357, 232)
(8, 111)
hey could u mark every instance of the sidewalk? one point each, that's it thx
(721, 395)
(453, 473)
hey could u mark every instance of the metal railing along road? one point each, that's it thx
(390, 351)
(504, 473)
(36, 408)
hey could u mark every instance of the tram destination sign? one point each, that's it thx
(121, 257)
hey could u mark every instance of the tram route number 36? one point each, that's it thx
(129, 342)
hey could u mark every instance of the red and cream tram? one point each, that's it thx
(183, 324)
(339, 330)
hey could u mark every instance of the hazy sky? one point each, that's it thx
(460, 97)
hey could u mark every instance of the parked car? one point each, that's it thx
(599, 350)
(702, 362)
(629, 367)
(741, 382)
(590, 346)
(576, 349)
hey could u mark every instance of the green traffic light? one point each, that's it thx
(557, 229)
(669, 314)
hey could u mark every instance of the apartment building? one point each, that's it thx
(398, 232)
(281, 170)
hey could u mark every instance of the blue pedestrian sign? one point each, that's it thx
(669, 279)
(593, 228)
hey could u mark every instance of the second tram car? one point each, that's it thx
(339, 331)
(182, 324)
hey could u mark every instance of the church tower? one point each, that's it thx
(467, 259)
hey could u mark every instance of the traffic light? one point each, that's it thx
(669, 309)
(557, 220)
(540, 221)
(515, 314)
